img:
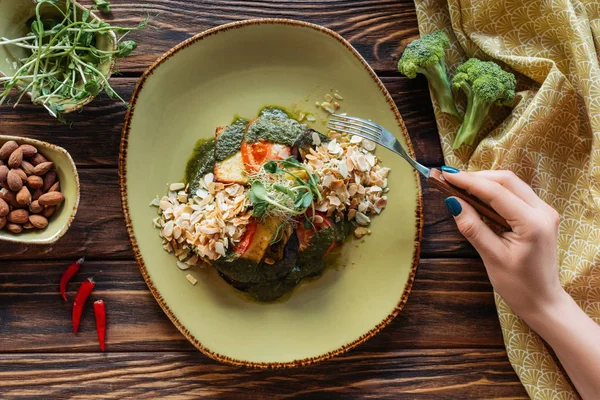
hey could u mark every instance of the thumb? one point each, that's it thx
(469, 223)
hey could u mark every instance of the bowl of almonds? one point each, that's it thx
(39, 191)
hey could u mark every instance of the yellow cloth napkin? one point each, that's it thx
(551, 140)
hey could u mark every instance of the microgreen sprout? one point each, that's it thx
(63, 65)
(102, 5)
(279, 190)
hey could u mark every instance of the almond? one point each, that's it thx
(14, 181)
(49, 180)
(55, 187)
(27, 167)
(28, 150)
(22, 174)
(14, 228)
(24, 196)
(35, 207)
(18, 216)
(42, 168)
(10, 198)
(7, 149)
(38, 221)
(28, 225)
(35, 182)
(3, 173)
(51, 199)
(48, 211)
(15, 159)
(37, 193)
(38, 159)
(2, 222)
(4, 210)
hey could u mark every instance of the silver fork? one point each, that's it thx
(378, 134)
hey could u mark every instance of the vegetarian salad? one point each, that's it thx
(267, 199)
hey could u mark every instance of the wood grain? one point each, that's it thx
(451, 306)
(400, 374)
(378, 29)
(99, 228)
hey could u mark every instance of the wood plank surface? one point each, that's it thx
(397, 374)
(378, 29)
(450, 306)
(445, 344)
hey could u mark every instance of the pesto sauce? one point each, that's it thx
(230, 141)
(200, 163)
(266, 283)
(276, 126)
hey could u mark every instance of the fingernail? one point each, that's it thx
(450, 170)
(453, 206)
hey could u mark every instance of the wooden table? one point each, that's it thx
(446, 343)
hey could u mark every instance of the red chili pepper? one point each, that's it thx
(100, 313)
(68, 274)
(82, 294)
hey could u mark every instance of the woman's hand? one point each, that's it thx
(522, 264)
(523, 268)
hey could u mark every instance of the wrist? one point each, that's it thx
(544, 317)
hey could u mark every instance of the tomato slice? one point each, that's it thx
(241, 247)
(256, 154)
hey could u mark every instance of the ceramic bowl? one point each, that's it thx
(237, 69)
(13, 24)
(60, 222)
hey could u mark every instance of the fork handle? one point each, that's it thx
(435, 179)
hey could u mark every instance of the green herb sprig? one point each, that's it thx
(271, 194)
(63, 64)
(102, 5)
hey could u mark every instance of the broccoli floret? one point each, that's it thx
(484, 83)
(426, 56)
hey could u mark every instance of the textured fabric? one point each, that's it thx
(550, 138)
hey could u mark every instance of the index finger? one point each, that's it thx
(513, 183)
(507, 204)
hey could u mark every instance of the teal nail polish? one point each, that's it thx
(450, 170)
(453, 206)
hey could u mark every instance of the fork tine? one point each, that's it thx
(361, 120)
(354, 130)
(376, 132)
(356, 133)
(356, 122)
